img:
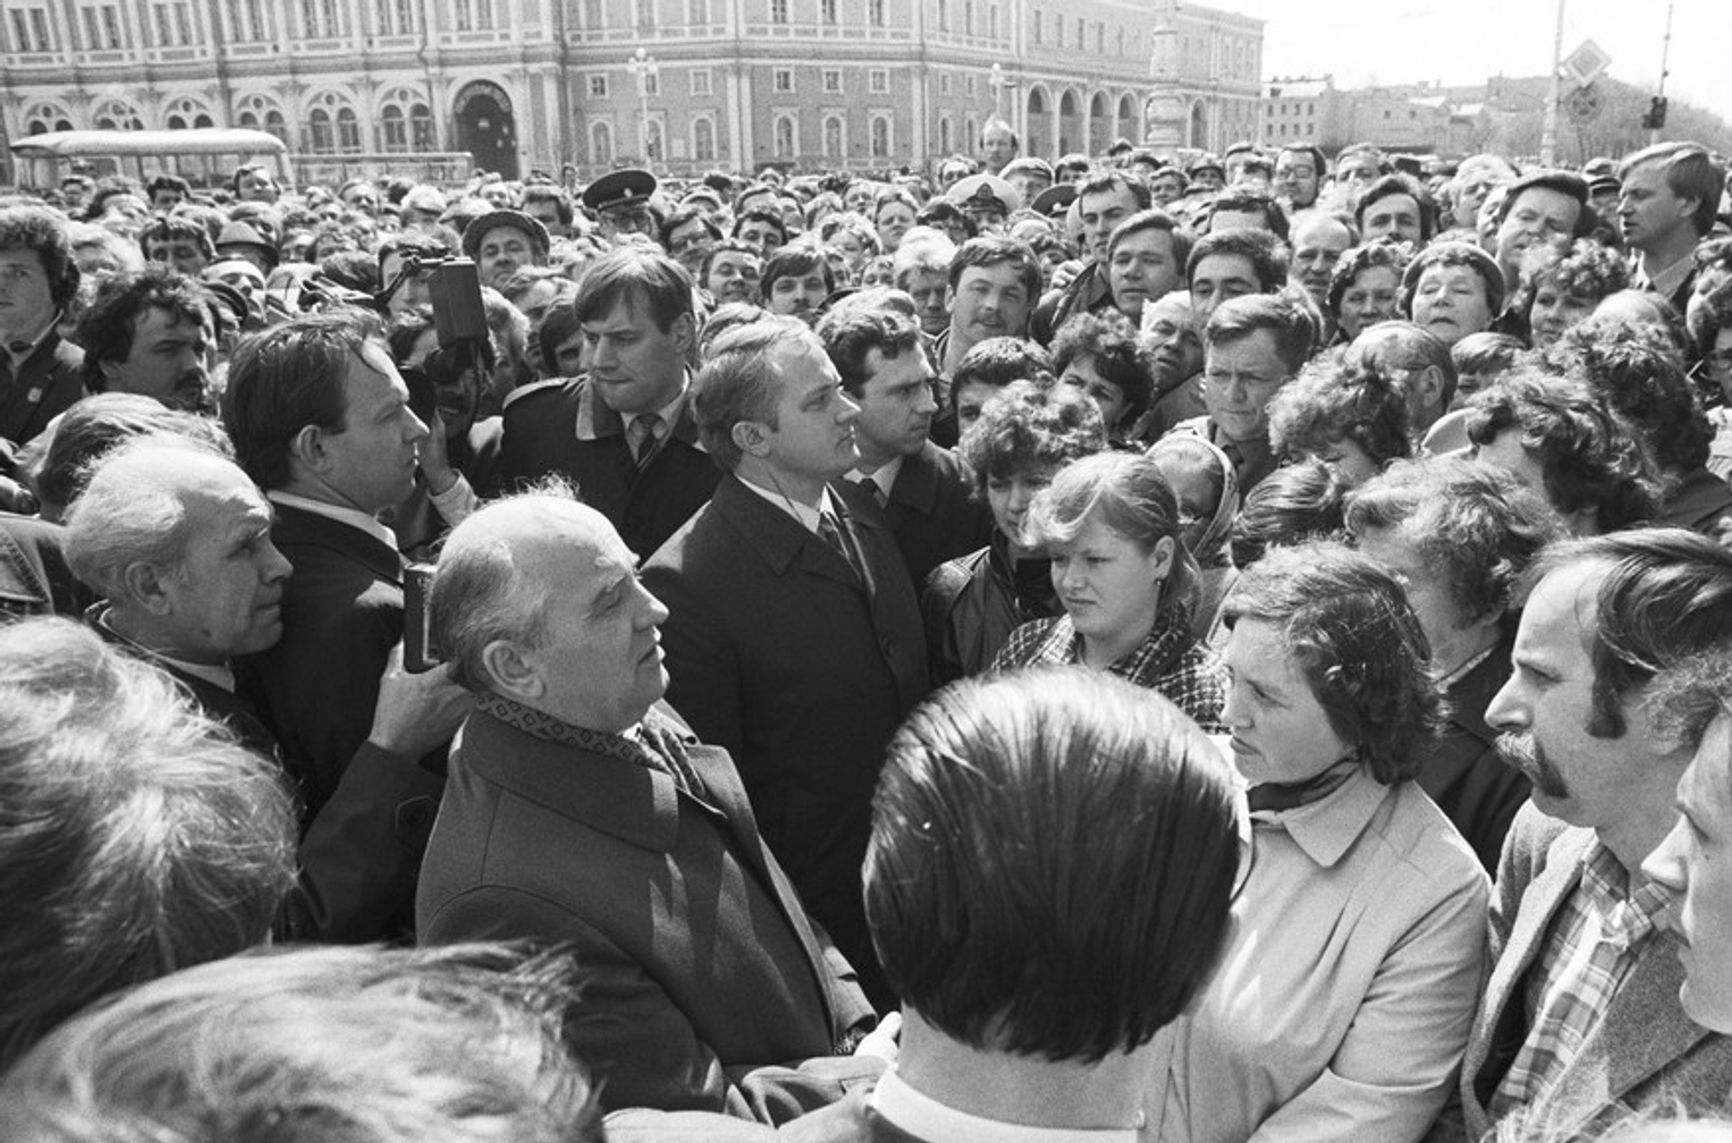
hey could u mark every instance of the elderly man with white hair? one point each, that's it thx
(176, 539)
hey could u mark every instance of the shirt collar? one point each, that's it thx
(925, 1118)
(808, 516)
(216, 674)
(1667, 281)
(884, 476)
(34, 343)
(669, 413)
(1327, 828)
(353, 517)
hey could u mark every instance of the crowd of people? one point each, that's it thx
(1207, 649)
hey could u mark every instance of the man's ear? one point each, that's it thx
(1430, 382)
(750, 437)
(143, 583)
(510, 674)
(684, 332)
(308, 447)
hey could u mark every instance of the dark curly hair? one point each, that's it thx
(1026, 425)
(1637, 370)
(44, 231)
(1583, 267)
(108, 324)
(1334, 400)
(1110, 340)
(1357, 643)
(1591, 457)
(1354, 262)
(1479, 528)
(1295, 504)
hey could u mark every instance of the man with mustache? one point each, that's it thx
(149, 333)
(1580, 1020)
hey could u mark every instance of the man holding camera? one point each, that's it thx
(624, 432)
(320, 420)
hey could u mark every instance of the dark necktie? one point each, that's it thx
(874, 490)
(645, 434)
(830, 528)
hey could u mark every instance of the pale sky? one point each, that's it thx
(1466, 41)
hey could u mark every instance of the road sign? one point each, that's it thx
(1587, 63)
(1584, 105)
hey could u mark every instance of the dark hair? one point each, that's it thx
(42, 230)
(1667, 595)
(1292, 505)
(177, 228)
(1484, 352)
(249, 168)
(558, 325)
(1152, 219)
(1340, 400)
(941, 212)
(286, 378)
(1688, 697)
(1109, 339)
(1477, 527)
(1266, 253)
(1583, 268)
(1637, 371)
(633, 275)
(413, 243)
(764, 215)
(563, 208)
(1393, 184)
(1691, 172)
(993, 250)
(850, 333)
(1288, 315)
(1357, 643)
(1242, 201)
(108, 323)
(1410, 348)
(1026, 425)
(1563, 182)
(169, 183)
(1311, 151)
(1590, 456)
(792, 261)
(1354, 262)
(684, 216)
(988, 917)
(1109, 180)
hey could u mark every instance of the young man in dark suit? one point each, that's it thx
(39, 373)
(581, 812)
(624, 431)
(794, 638)
(924, 491)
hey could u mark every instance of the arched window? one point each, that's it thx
(332, 125)
(260, 113)
(46, 117)
(393, 129)
(404, 122)
(321, 138)
(704, 139)
(880, 136)
(601, 144)
(118, 115)
(348, 131)
(834, 147)
(944, 136)
(184, 113)
(785, 137)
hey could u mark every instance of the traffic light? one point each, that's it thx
(1656, 116)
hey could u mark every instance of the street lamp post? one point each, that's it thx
(644, 67)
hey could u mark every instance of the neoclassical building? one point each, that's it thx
(687, 84)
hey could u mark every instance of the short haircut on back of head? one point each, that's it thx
(138, 837)
(635, 274)
(991, 922)
(286, 378)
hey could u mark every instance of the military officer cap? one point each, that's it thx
(620, 190)
(985, 192)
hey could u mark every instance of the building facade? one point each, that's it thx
(682, 84)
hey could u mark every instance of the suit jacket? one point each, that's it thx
(1643, 1053)
(931, 512)
(698, 964)
(49, 382)
(1461, 769)
(781, 656)
(563, 427)
(360, 855)
(342, 614)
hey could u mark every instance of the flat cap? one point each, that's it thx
(493, 220)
